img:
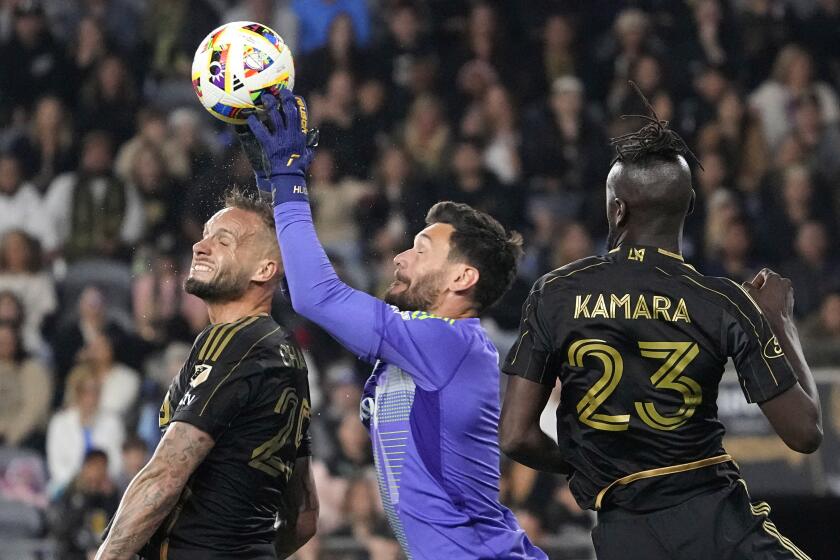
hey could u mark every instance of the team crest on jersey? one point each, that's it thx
(200, 375)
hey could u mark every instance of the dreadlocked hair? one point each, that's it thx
(653, 139)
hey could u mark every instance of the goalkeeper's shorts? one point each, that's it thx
(723, 524)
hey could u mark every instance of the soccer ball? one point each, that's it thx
(235, 64)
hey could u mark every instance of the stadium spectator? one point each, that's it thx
(46, 147)
(427, 135)
(361, 509)
(646, 72)
(573, 243)
(819, 140)
(764, 26)
(109, 100)
(21, 204)
(173, 31)
(470, 182)
(798, 202)
(558, 53)
(91, 318)
(501, 152)
(714, 43)
(353, 447)
(79, 428)
(738, 138)
(734, 258)
(156, 300)
(25, 393)
(159, 195)
(341, 52)
(24, 482)
(793, 76)
(135, 454)
(398, 204)
(405, 43)
(83, 509)
(632, 38)
(151, 131)
(696, 110)
(821, 332)
(119, 384)
(316, 16)
(564, 150)
(812, 268)
(34, 60)
(336, 204)
(89, 49)
(94, 214)
(22, 273)
(120, 20)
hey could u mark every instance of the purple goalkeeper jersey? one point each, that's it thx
(431, 405)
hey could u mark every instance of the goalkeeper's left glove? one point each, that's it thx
(280, 150)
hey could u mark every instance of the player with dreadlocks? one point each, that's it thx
(638, 340)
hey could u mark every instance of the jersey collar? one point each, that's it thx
(646, 253)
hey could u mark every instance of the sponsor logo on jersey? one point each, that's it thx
(186, 400)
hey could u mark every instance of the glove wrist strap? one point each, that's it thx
(287, 188)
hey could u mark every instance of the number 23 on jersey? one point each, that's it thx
(675, 358)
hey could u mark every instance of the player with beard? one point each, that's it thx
(639, 340)
(432, 402)
(231, 476)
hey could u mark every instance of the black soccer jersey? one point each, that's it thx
(639, 340)
(245, 384)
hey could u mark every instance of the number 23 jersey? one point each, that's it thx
(639, 341)
(244, 383)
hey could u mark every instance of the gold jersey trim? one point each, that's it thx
(661, 471)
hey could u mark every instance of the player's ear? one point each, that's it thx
(692, 201)
(620, 211)
(266, 270)
(466, 278)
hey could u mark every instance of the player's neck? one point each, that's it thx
(668, 242)
(454, 309)
(230, 311)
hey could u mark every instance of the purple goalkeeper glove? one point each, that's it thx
(281, 149)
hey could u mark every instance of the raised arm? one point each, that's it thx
(280, 152)
(795, 414)
(155, 490)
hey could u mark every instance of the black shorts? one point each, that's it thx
(721, 525)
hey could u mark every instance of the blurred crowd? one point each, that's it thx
(109, 167)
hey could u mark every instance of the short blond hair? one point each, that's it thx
(79, 375)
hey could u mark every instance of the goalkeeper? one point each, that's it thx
(432, 402)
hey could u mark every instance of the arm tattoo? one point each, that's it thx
(155, 490)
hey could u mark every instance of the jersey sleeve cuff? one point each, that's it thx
(537, 368)
(203, 423)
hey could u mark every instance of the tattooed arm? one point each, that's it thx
(155, 490)
(302, 521)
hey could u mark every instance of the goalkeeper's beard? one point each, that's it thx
(225, 287)
(420, 295)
